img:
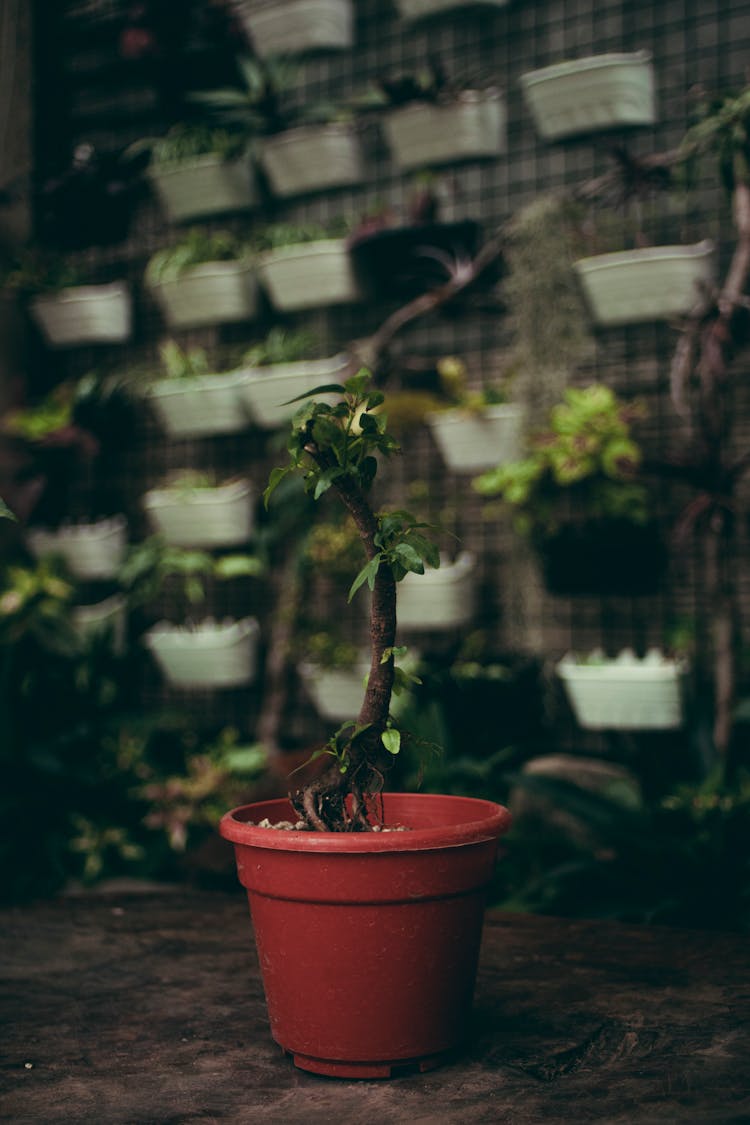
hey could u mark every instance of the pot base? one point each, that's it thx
(394, 1068)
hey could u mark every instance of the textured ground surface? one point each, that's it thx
(139, 1009)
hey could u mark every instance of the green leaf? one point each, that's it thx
(367, 574)
(245, 759)
(409, 558)
(391, 739)
(5, 512)
(275, 478)
(238, 566)
(325, 388)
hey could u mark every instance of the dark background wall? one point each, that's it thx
(86, 91)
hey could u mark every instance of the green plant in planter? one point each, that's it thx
(262, 104)
(36, 602)
(577, 493)
(183, 363)
(38, 271)
(337, 447)
(587, 453)
(196, 248)
(278, 235)
(150, 565)
(280, 346)
(186, 141)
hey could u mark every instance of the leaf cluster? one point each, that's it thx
(280, 346)
(151, 564)
(276, 236)
(587, 452)
(197, 247)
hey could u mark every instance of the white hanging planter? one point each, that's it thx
(312, 158)
(106, 616)
(203, 517)
(199, 405)
(209, 654)
(417, 9)
(90, 550)
(471, 441)
(653, 283)
(309, 275)
(438, 599)
(213, 293)
(421, 134)
(205, 185)
(84, 314)
(591, 94)
(268, 391)
(290, 27)
(625, 693)
(336, 693)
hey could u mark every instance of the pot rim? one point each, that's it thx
(483, 821)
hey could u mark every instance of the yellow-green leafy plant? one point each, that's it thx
(585, 462)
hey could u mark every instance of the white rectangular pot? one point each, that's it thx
(267, 391)
(625, 694)
(421, 134)
(214, 293)
(312, 158)
(200, 405)
(290, 27)
(471, 441)
(106, 616)
(337, 693)
(209, 655)
(310, 275)
(438, 599)
(84, 314)
(653, 283)
(417, 9)
(90, 551)
(591, 94)
(206, 185)
(203, 517)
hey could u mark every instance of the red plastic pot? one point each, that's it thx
(368, 943)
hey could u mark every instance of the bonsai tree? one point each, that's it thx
(336, 447)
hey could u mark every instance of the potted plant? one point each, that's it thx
(302, 146)
(91, 551)
(204, 653)
(647, 282)
(302, 267)
(197, 170)
(429, 120)
(591, 94)
(577, 498)
(191, 400)
(624, 693)
(633, 274)
(477, 429)
(279, 369)
(422, 945)
(418, 9)
(204, 279)
(67, 312)
(192, 510)
(398, 257)
(290, 27)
